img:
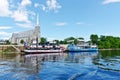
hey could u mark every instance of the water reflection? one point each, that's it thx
(108, 60)
(36, 60)
(61, 66)
(82, 57)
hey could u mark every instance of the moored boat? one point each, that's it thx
(37, 50)
(79, 48)
(49, 48)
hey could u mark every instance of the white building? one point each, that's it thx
(28, 37)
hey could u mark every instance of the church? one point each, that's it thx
(30, 36)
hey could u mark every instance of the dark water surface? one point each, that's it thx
(103, 65)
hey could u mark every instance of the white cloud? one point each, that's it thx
(36, 5)
(4, 8)
(25, 2)
(5, 35)
(60, 23)
(53, 5)
(20, 16)
(5, 27)
(110, 1)
(43, 7)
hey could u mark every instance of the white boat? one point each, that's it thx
(43, 49)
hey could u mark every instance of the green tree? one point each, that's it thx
(21, 41)
(61, 42)
(75, 41)
(109, 42)
(94, 38)
(7, 42)
(43, 40)
(81, 38)
(57, 41)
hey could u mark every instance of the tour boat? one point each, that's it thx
(82, 48)
(43, 49)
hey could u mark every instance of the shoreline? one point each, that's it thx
(108, 49)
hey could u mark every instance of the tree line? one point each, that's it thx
(103, 42)
(68, 40)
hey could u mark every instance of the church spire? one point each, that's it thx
(37, 23)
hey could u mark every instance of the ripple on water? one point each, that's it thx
(75, 66)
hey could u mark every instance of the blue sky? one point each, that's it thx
(60, 19)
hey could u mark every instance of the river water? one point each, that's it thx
(103, 65)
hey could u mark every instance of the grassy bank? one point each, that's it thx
(8, 50)
(110, 49)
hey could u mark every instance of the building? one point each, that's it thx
(29, 36)
(3, 42)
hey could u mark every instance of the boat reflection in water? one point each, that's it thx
(36, 60)
(82, 57)
(61, 66)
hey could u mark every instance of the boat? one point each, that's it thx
(79, 48)
(82, 46)
(43, 48)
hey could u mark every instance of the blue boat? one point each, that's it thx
(82, 48)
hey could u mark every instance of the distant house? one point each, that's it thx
(2, 41)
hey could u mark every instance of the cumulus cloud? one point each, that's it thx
(60, 23)
(110, 1)
(4, 8)
(20, 16)
(25, 2)
(19, 13)
(36, 5)
(43, 7)
(51, 5)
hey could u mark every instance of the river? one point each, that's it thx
(103, 65)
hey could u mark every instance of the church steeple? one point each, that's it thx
(37, 29)
(37, 21)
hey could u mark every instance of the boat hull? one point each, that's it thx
(75, 48)
(82, 50)
(42, 51)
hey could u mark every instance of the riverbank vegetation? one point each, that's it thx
(103, 42)
(106, 42)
